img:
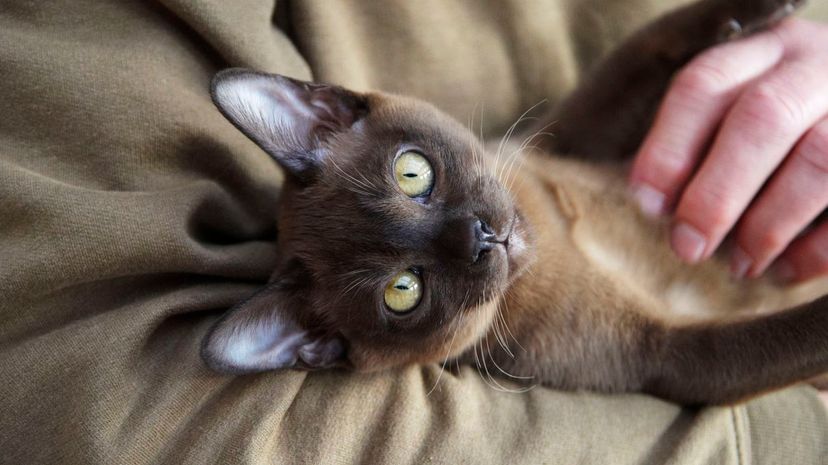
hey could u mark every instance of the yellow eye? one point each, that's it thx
(404, 292)
(414, 174)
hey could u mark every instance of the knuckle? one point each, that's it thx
(665, 162)
(711, 208)
(719, 218)
(763, 233)
(701, 79)
(809, 256)
(814, 148)
(770, 241)
(820, 248)
(773, 108)
(817, 265)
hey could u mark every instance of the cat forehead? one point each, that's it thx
(409, 115)
(396, 126)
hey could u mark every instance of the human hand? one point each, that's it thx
(743, 115)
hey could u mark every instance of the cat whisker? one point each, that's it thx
(510, 184)
(492, 381)
(477, 363)
(517, 154)
(506, 324)
(359, 191)
(357, 271)
(508, 135)
(482, 366)
(499, 338)
(511, 178)
(494, 362)
(352, 184)
(497, 330)
(370, 184)
(457, 327)
(477, 156)
(481, 165)
(357, 188)
(356, 284)
(482, 110)
(501, 168)
(362, 187)
(505, 139)
(486, 375)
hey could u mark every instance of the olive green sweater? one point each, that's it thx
(132, 215)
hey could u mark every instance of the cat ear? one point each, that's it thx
(288, 118)
(260, 334)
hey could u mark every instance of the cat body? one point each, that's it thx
(622, 281)
(402, 239)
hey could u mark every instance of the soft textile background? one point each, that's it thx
(132, 214)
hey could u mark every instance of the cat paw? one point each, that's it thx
(748, 16)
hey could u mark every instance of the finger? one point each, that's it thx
(806, 258)
(792, 200)
(692, 109)
(758, 132)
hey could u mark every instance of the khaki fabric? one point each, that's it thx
(132, 215)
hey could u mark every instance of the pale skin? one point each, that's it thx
(739, 148)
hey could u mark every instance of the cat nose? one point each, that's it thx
(484, 233)
(468, 239)
(485, 239)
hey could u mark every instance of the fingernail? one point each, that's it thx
(740, 263)
(783, 271)
(649, 200)
(688, 242)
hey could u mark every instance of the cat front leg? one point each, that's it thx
(607, 116)
(725, 362)
(618, 347)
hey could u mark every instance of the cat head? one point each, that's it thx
(395, 237)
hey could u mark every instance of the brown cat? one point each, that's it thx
(403, 240)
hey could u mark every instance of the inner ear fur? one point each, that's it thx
(288, 118)
(264, 333)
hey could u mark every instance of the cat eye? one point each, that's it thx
(414, 174)
(404, 292)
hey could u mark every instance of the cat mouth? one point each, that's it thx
(508, 236)
(516, 246)
(511, 232)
